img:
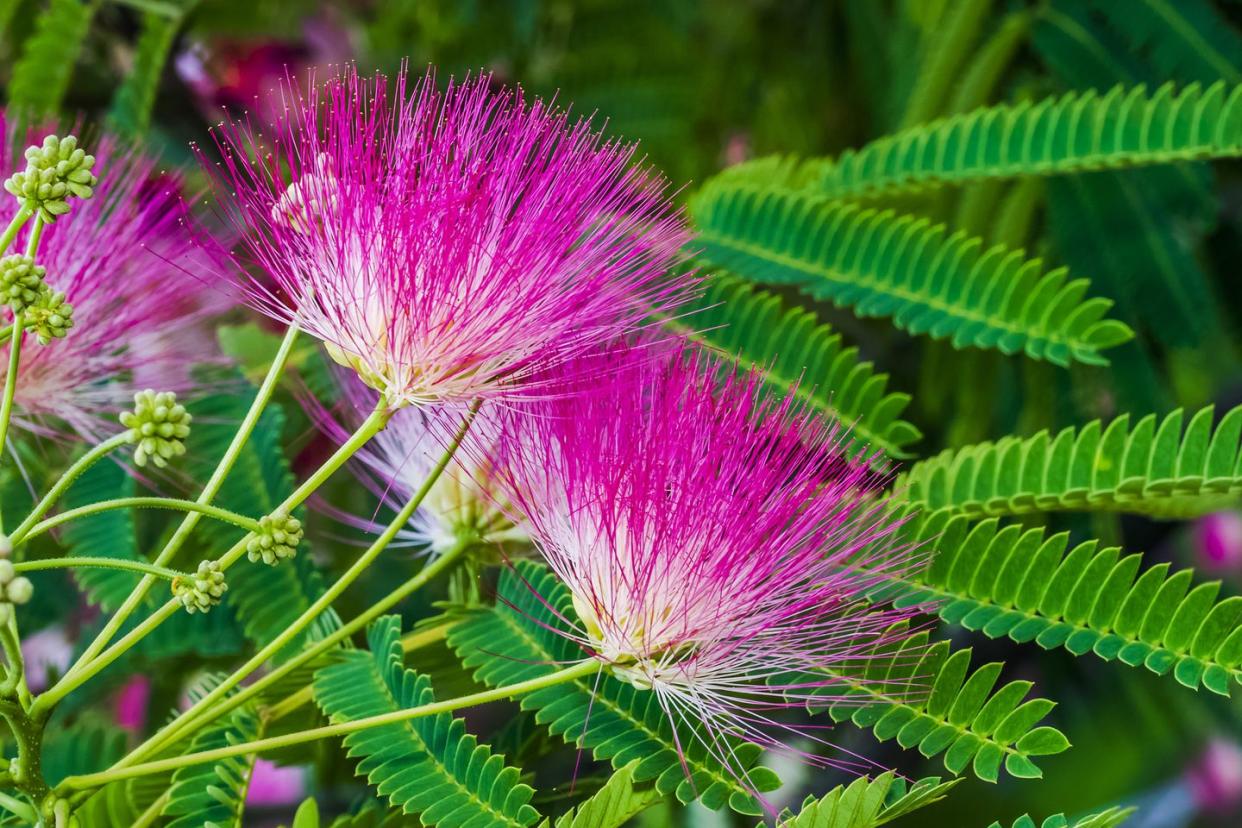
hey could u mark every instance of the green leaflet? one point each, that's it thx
(867, 803)
(1077, 132)
(755, 328)
(925, 696)
(135, 98)
(214, 793)
(516, 640)
(1006, 581)
(90, 744)
(1105, 819)
(41, 77)
(429, 766)
(1154, 468)
(880, 263)
(1183, 39)
(107, 534)
(612, 806)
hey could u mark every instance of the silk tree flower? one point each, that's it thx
(718, 545)
(126, 264)
(463, 501)
(447, 246)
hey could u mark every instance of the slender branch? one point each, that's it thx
(582, 669)
(23, 809)
(10, 232)
(212, 487)
(203, 711)
(66, 480)
(84, 669)
(10, 381)
(224, 515)
(101, 563)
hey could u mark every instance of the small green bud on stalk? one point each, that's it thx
(54, 171)
(158, 425)
(21, 282)
(278, 537)
(204, 589)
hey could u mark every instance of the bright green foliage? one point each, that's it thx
(756, 328)
(41, 77)
(123, 802)
(1184, 39)
(90, 744)
(107, 534)
(428, 766)
(615, 720)
(1105, 819)
(135, 98)
(930, 281)
(214, 793)
(1077, 132)
(867, 803)
(372, 815)
(926, 696)
(612, 806)
(1030, 586)
(1156, 468)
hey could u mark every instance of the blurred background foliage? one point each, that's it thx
(704, 84)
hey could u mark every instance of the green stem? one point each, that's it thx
(10, 232)
(203, 711)
(209, 492)
(84, 669)
(102, 563)
(66, 480)
(10, 383)
(13, 653)
(22, 809)
(576, 671)
(223, 515)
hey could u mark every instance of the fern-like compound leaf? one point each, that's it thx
(517, 640)
(930, 281)
(428, 766)
(796, 352)
(41, 76)
(1027, 585)
(108, 534)
(1077, 132)
(215, 793)
(1163, 467)
(926, 697)
(1104, 819)
(612, 806)
(867, 803)
(135, 97)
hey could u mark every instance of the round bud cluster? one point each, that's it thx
(203, 590)
(51, 317)
(14, 589)
(54, 171)
(157, 426)
(21, 281)
(277, 538)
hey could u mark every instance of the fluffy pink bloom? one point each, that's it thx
(718, 545)
(393, 465)
(134, 276)
(445, 245)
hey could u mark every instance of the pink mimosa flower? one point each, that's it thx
(132, 702)
(447, 246)
(718, 545)
(132, 273)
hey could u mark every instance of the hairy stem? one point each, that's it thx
(10, 384)
(102, 563)
(576, 671)
(134, 599)
(84, 670)
(215, 703)
(223, 515)
(66, 480)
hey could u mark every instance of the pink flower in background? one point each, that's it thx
(132, 702)
(43, 652)
(1216, 778)
(135, 279)
(1218, 542)
(717, 545)
(447, 246)
(272, 785)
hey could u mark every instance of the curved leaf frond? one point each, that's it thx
(796, 352)
(1104, 819)
(1156, 468)
(215, 793)
(612, 806)
(517, 640)
(867, 803)
(1027, 585)
(429, 766)
(1077, 132)
(928, 280)
(926, 696)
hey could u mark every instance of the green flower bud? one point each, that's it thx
(7, 572)
(54, 171)
(203, 590)
(157, 426)
(19, 590)
(277, 538)
(6, 546)
(21, 281)
(51, 317)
